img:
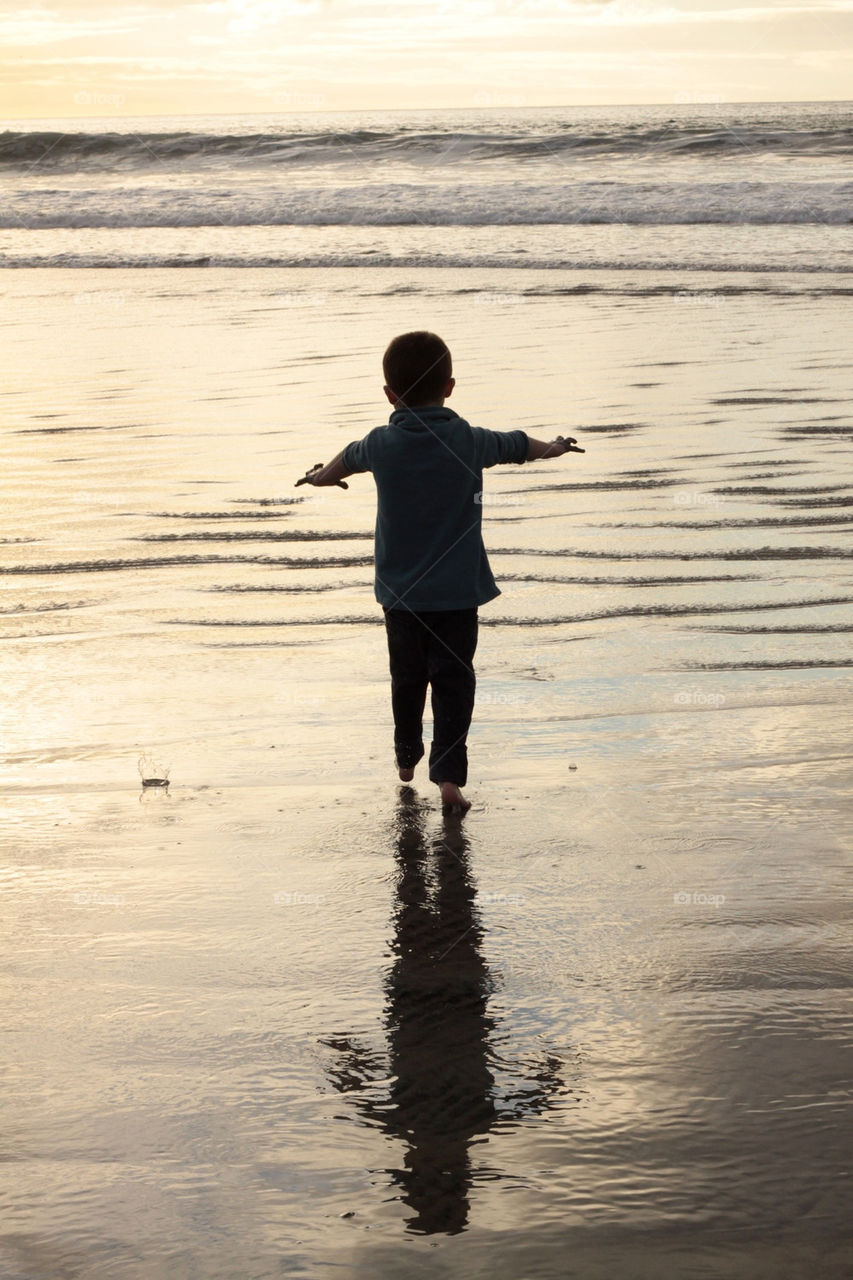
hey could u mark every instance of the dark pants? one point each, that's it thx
(437, 649)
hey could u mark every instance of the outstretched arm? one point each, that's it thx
(332, 473)
(553, 449)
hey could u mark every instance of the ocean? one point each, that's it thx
(280, 1018)
(595, 188)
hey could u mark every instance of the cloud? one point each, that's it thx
(243, 17)
(49, 26)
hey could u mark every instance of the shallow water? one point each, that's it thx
(280, 1018)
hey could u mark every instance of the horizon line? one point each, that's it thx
(472, 109)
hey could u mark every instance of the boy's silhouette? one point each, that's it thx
(431, 568)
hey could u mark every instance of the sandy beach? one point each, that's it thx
(280, 1018)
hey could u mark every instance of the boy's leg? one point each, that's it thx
(409, 677)
(452, 642)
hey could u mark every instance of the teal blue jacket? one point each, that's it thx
(428, 467)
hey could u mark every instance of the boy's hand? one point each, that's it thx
(551, 448)
(308, 478)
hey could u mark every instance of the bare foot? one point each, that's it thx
(406, 775)
(452, 799)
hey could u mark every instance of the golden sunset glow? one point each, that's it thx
(150, 58)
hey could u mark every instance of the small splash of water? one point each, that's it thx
(153, 771)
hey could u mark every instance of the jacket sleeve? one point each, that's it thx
(356, 456)
(494, 447)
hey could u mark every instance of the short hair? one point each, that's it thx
(417, 367)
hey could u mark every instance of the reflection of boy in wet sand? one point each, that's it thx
(447, 1080)
(432, 572)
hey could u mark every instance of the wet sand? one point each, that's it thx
(283, 1019)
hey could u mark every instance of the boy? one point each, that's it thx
(432, 572)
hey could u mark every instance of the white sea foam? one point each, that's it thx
(423, 204)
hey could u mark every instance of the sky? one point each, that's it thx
(165, 57)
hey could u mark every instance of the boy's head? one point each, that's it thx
(418, 370)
